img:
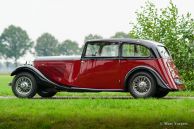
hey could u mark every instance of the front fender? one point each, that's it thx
(157, 76)
(40, 78)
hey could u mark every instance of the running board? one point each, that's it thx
(77, 89)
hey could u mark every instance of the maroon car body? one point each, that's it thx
(107, 65)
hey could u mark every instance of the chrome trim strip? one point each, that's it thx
(56, 58)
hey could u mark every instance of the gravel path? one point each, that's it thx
(95, 97)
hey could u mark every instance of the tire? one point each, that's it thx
(46, 93)
(161, 92)
(142, 85)
(24, 85)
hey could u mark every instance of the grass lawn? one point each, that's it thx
(96, 114)
(5, 90)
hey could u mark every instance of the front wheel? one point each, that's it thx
(142, 85)
(46, 93)
(24, 85)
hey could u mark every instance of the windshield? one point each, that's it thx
(163, 52)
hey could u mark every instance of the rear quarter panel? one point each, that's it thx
(129, 64)
(165, 68)
(159, 65)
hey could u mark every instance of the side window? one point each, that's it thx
(128, 50)
(142, 51)
(132, 50)
(109, 50)
(102, 50)
(92, 50)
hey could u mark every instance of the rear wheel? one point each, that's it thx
(24, 85)
(46, 93)
(161, 92)
(142, 85)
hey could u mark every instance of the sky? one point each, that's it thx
(74, 19)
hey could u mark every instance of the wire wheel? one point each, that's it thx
(141, 85)
(23, 85)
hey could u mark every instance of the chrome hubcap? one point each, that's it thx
(23, 85)
(141, 85)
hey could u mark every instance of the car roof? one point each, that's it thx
(148, 43)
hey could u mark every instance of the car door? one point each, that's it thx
(100, 66)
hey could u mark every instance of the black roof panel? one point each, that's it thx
(128, 40)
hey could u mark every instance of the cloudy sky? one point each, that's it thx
(73, 19)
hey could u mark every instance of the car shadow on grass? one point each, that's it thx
(87, 97)
(110, 97)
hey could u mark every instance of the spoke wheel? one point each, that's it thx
(142, 85)
(24, 85)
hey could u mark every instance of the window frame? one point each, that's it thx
(120, 47)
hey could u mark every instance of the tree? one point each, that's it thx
(91, 37)
(166, 26)
(46, 45)
(120, 35)
(1, 48)
(68, 47)
(15, 43)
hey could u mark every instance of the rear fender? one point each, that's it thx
(160, 82)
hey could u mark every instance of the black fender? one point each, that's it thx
(40, 78)
(156, 75)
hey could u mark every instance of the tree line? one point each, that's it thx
(15, 42)
(163, 25)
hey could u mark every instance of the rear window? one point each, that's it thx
(163, 52)
(132, 50)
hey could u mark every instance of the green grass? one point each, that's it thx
(5, 90)
(95, 113)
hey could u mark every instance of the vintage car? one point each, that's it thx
(143, 68)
